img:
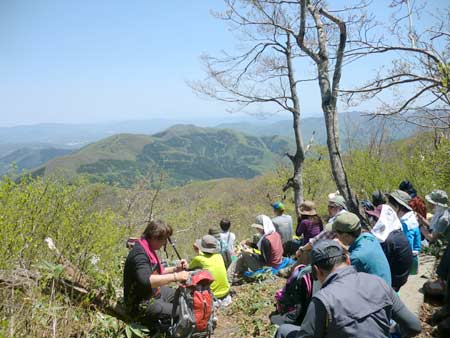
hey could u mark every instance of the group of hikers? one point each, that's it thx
(347, 272)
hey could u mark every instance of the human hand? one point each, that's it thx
(182, 276)
(181, 265)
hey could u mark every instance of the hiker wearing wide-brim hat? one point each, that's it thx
(207, 244)
(438, 197)
(399, 201)
(309, 225)
(402, 198)
(438, 228)
(210, 259)
(308, 208)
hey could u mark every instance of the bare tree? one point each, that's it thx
(281, 34)
(415, 88)
(262, 74)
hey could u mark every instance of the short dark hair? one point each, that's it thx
(225, 224)
(378, 198)
(329, 263)
(157, 229)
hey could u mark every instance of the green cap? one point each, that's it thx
(346, 222)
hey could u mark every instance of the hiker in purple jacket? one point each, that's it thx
(309, 223)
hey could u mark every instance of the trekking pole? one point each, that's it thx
(174, 247)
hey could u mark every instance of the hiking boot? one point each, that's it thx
(434, 288)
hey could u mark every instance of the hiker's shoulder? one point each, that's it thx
(136, 250)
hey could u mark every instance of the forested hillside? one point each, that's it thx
(186, 153)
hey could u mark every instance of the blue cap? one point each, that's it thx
(278, 206)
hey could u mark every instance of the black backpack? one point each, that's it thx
(295, 296)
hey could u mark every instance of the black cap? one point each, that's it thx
(325, 249)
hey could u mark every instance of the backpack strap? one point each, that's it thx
(309, 283)
(176, 302)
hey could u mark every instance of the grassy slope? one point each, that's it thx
(120, 147)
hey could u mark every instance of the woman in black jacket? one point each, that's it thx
(386, 226)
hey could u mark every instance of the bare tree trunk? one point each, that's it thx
(296, 181)
(329, 88)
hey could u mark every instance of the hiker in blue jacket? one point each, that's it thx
(399, 201)
(366, 254)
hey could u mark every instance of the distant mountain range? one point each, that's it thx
(185, 152)
(28, 147)
(27, 158)
(353, 127)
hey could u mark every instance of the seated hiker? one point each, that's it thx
(350, 304)
(399, 200)
(309, 225)
(386, 227)
(378, 198)
(227, 236)
(269, 249)
(208, 258)
(366, 254)
(282, 222)
(439, 225)
(336, 206)
(146, 294)
(221, 246)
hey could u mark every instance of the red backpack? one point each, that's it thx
(194, 300)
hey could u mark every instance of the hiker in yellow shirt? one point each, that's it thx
(209, 258)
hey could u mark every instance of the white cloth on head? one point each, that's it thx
(268, 226)
(387, 223)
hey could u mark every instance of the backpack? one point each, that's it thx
(225, 252)
(297, 292)
(196, 310)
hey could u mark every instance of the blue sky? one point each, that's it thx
(99, 60)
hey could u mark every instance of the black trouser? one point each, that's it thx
(161, 306)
